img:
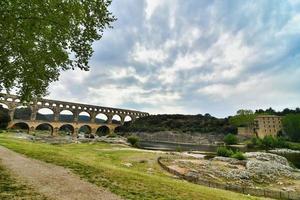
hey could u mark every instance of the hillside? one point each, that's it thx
(180, 123)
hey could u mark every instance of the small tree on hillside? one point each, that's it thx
(230, 139)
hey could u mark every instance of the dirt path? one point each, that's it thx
(50, 180)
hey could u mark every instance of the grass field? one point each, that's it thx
(105, 165)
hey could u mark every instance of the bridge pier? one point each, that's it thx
(75, 133)
(55, 131)
(33, 113)
(31, 129)
(11, 113)
(109, 119)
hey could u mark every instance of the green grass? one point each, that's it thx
(10, 188)
(294, 145)
(103, 164)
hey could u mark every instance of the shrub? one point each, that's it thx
(224, 152)
(268, 142)
(238, 155)
(178, 149)
(281, 142)
(113, 135)
(230, 139)
(255, 141)
(133, 140)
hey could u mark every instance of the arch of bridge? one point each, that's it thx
(13, 101)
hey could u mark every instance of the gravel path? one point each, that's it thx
(53, 181)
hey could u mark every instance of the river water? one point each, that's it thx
(294, 158)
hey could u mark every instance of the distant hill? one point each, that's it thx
(180, 123)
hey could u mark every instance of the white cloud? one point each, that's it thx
(112, 95)
(182, 63)
(151, 5)
(119, 73)
(292, 27)
(148, 55)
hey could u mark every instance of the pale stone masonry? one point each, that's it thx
(267, 125)
(263, 125)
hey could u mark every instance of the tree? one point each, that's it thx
(39, 39)
(230, 139)
(291, 125)
(243, 120)
(244, 112)
(133, 140)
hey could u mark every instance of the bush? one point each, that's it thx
(178, 149)
(255, 142)
(268, 142)
(230, 139)
(133, 140)
(224, 152)
(238, 155)
(113, 135)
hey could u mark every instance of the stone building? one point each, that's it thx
(263, 125)
(267, 125)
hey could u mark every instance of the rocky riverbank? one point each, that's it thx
(259, 170)
(69, 139)
(284, 151)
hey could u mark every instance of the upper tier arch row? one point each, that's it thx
(13, 101)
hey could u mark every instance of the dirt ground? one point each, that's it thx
(50, 180)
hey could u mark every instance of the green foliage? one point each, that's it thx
(113, 135)
(238, 155)
(179, 148)
(224, 152)
(293, 145)
(256, 141)
(230, 139)
(227, 152)
(242, 120)
(291, 125)
(268, 142)
(179, 123)
(39, 39)
(133, 140)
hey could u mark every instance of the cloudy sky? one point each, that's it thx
(193, 56)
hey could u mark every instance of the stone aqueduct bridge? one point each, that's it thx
(13, 102)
